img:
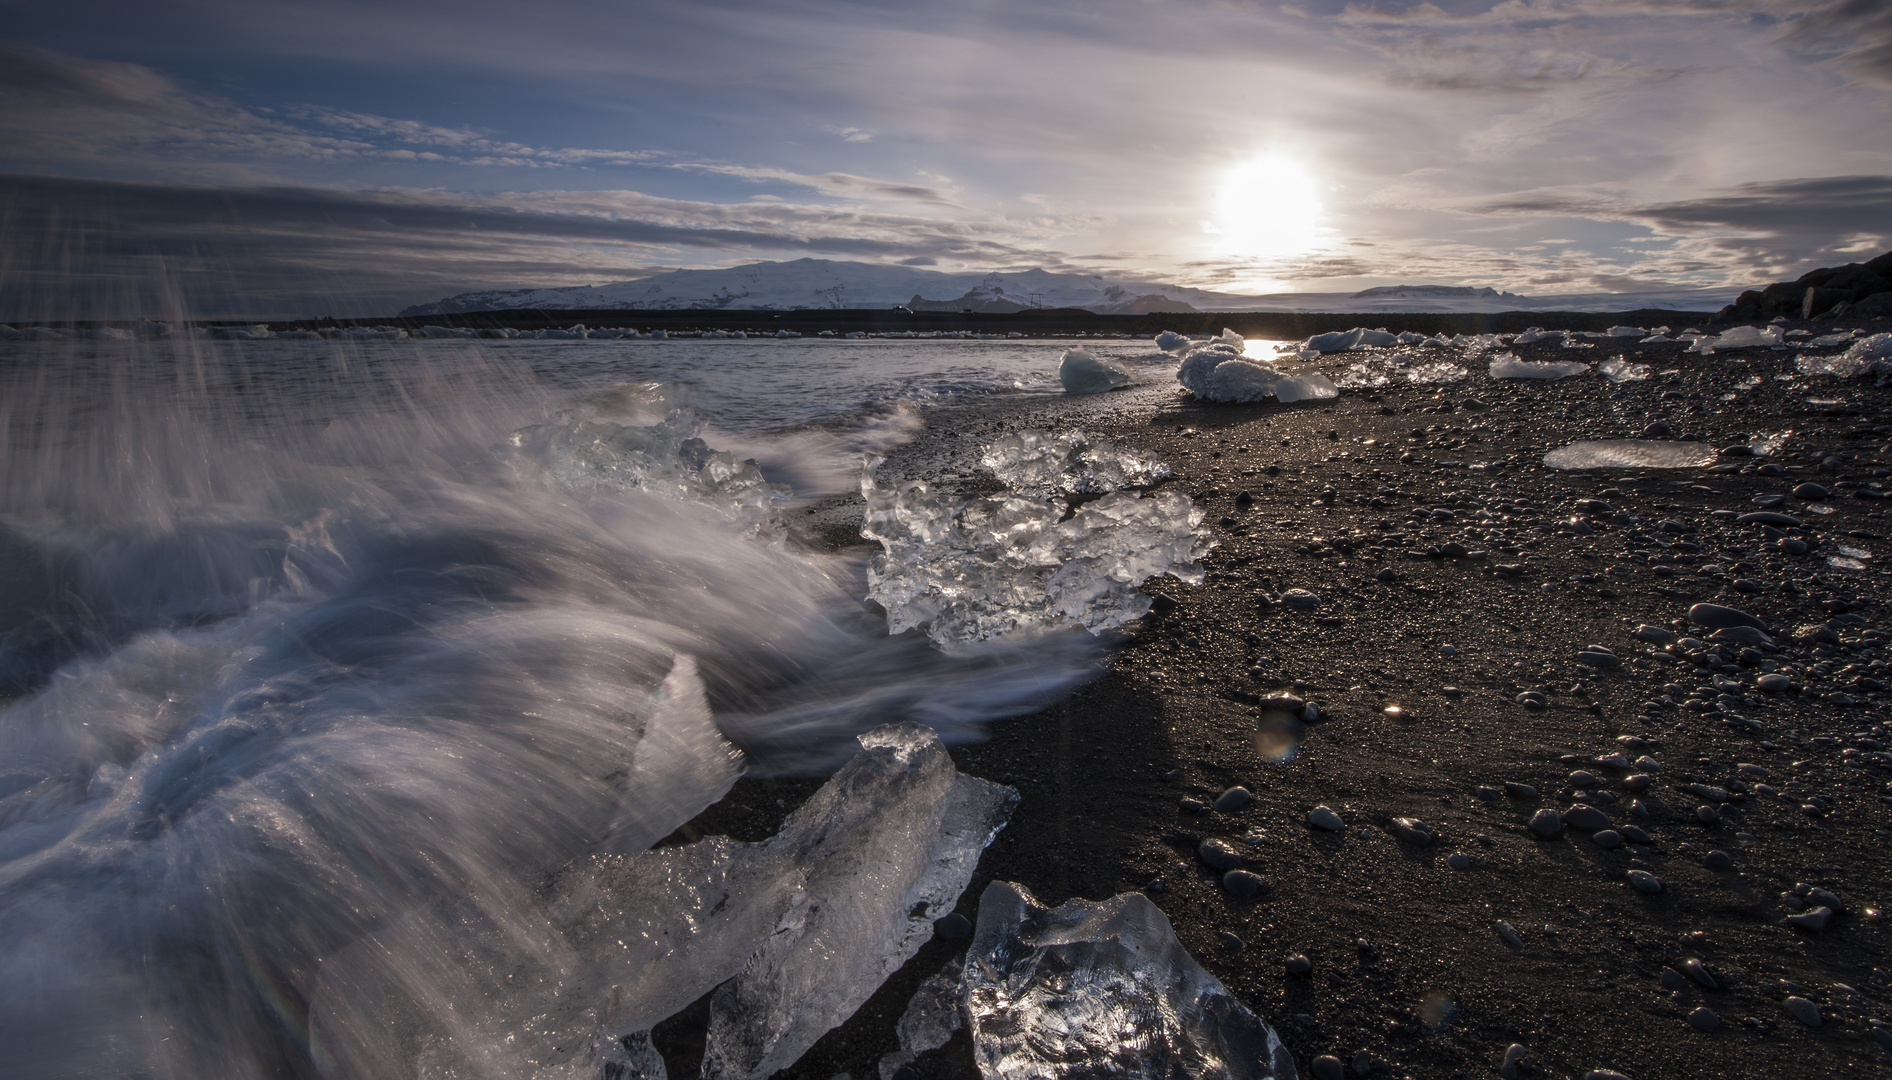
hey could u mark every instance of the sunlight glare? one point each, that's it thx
(1269, 207)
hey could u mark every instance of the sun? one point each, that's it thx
(1268, 208)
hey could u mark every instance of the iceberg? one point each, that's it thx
(1102, 989)
(1508, 366)
(1631, 454)
(1039, 464)
(1220, 373)
(1082, 373)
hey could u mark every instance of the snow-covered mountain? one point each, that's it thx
(827, 284)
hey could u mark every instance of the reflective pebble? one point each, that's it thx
(1299, 964)
(1608, 838)
(1802, 1010)
(1704, 1019)
(1645, 882)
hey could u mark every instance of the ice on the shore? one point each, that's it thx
(1103, 989)
(1220, 373)
(1171, 342)
(1631, 454)
(1083, 373)
(1869, 355)
(1381, 370)
(1039, 464)
(670, 459)
(1344, 340)
(1616, 369)
(1508, 366)
(968, 570)
(936, 1010)
(794, 933)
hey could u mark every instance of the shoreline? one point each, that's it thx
(1112, 779)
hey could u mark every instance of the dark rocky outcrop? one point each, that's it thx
(1861, 290)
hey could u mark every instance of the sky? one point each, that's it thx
(347, 157)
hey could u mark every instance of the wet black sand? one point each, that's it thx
(1407, 965)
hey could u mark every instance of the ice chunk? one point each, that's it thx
(1534, 335)
(1508, 366)
(887, 844)
(935, 1012)
(1082, 373)
(1103, 989)
(1617, 369)
(1769, 445)
(1867, 355)
(1747, 337)
(969, 570)
(446, 332)
(1219, 373)
(1442, 371)
(1626, 331)
(1344, 340)
(668, 458)
(1039, 464)
(1171, 342)
(1631, 454)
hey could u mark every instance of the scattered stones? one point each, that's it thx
(1520, 791)
(1220, 855)
(1707, 815)
(1653, 634)
(1633, 834)
(1232, 800)
(1704, 1019)
(1533, 701)
(1489, 793)
(1326, 1067)
(1607, 839)
(1811, 491)
(1600, 660)
(1718, 861)
(1698, 974)
(1802, 1010)
(1673, 980)
(1582, 778)
(1299, 964)
(1412, 830)
(1774, 682)
(1244, 884)
(1587, 818)
(1508, 934)
(1645, 882)
(1638, 781)
(1740, 635)
(1322, 817)
(1547, 824)
(1458, 860)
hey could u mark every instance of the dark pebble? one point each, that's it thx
(1299, 964)
(1326, 1067)
(1232, 800)
(954, 927)
(1244, 885)
(1219, 854)
(1704, 1019)
(1718, 861)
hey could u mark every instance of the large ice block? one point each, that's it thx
(1103, 989)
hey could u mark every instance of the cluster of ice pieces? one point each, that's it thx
(1023, 563)
(1039, 464)
(1867, 356)
(1218, 371)
(1616, 369)
(1083, 373)
(1087, 989)
(670, 459)
(1360, 338)
(1508, 366)
(1380, 370)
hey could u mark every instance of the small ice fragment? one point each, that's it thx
(1626, 331)
(1535, 335)
(1171, 342)
(1508, 366)
(1769, 445)
(1356, 338)
(1440, 372)
(1872, 354)
(1103, 988)
(1039, 464)
(1616, 369)
(936, 1011)
(1219, 373)
(1082, 373)
(1630, 454)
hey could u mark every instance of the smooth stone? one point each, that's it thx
(1599, 660)
(1811, 491)
(1655, 635)
(1228, 940)
(1698, 974)
(1773, 682)
(1362, 1063)
(1607, 838)
(1718, 861)
(1645, 882)
(1322, 817)
(1707, 815)
(1604, 1074)
(1704, 1019)
(1412, 830)
(1520, 791)
(1717, 617)
(1489, 793)
(1326, 1067)
(1802, 1010)
(1638, 781)
(1587, 818)
(1673, 980)
(1740, 635)
(954, 927)
(1768, 517)
(1232, 800)
(1513, 1060)
(1219, 854)
(1582, 778)
(1244, 884)
(1814, 920)
(1508, 934)
(1547, 824)
(1633, 834)
(1458, 860)
(1821, 896)
(1300, 600)
(1299, 964)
